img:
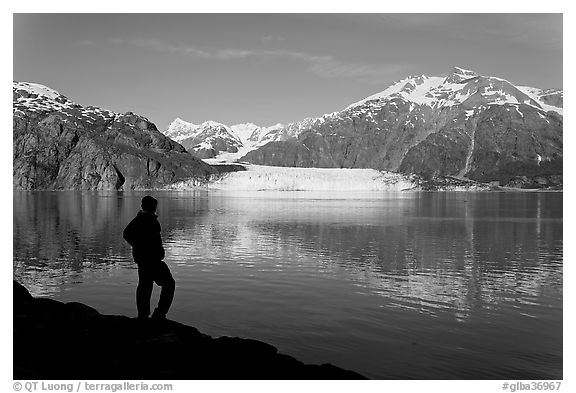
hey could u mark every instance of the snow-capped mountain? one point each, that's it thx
(462, 124)
(211, 139)
(462, 87)
(248, 132)
(204, 140)
(58, 144)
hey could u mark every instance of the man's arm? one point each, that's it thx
(129, 233)
(161, 251)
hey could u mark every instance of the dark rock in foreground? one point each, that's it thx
(55, 340)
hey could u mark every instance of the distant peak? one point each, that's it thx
(211, 123)
(244, 127)
(179, 120)
(460, 74)
(37, 89)
(463, 71)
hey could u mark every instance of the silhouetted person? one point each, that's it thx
(143, 234)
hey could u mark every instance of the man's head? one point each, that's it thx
(149, 204)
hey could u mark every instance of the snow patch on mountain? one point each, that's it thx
(412, 88)
(542, 96)
(459, 75)
(245, 131)
(36, 98)
(242, 137)
(37, 89)
(179, 129)
(456, 89)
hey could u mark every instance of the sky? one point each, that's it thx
(270, 68)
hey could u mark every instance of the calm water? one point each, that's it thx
(393, 285)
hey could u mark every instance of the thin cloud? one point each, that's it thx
(330, 67)
(160, 46)
(324, 66)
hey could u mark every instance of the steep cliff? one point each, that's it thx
(58, 144)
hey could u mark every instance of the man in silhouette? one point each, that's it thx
(143, 234)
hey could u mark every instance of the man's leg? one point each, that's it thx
(163, 277)
(144, 291)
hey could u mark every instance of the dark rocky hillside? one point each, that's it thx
(58, 144)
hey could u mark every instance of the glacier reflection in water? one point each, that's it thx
(392, 285)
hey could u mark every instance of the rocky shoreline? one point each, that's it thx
(55, 340)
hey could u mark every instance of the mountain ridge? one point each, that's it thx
(463, 125)
(411, 120)
(210, 138)
(466, 125)
(59, 144)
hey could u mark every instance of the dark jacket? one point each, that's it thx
(143, 234)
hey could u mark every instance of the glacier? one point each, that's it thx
(329, 181)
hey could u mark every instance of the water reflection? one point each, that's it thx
(359, 280)
(439, 252)
(58, 236)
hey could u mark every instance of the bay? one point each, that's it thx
(425, 285)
